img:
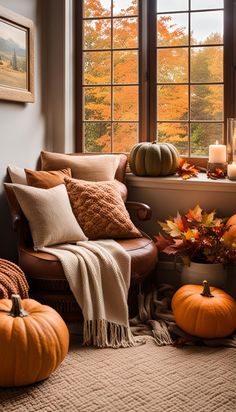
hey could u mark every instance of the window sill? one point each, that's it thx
(201, 183)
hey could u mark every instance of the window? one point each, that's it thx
(190, 109)
(110, 75)
(153, 69)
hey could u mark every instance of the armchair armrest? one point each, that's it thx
(19, 222)
(142, 210)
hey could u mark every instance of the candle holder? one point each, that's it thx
(213, 167)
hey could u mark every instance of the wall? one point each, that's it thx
(22, 125)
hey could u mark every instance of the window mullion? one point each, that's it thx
(152, 69)
(143, 71)
(78, 80)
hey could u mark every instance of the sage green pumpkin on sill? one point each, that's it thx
(153, 159)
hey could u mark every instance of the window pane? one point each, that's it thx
(207, 27)
(125, 103)
(172, 102)
(125, 33)
(207, 4)
(97, 137)
(207, 64)
(97, 68)
(125, 135)
(97, 103)
(174, 133)
(125, 7)
(204, 134)
(172, 65)
(172, 30)
(125, 66)
(97, 8)
(97, 34)
(172, 5)
(207, 102)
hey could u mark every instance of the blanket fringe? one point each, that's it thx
(104, 334)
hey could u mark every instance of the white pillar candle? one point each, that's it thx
(217, 153)
(231, 171)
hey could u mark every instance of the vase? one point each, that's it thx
(196, 273)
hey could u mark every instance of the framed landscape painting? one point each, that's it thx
(16, 57)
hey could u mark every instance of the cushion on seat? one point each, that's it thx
(94, 168)
(49, 214)
(100, 210)
(46, 179)
(45, 266)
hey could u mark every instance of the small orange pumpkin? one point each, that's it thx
(230, 234)
(204, 312)
(33, 341)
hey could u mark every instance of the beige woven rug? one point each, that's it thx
(146, 378)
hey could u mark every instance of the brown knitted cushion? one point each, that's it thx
(12, 280)
(100, 210)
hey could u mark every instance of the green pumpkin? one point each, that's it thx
(153, 159)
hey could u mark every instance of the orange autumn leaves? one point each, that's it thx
(103, 102)
(196, 235)
(186, 170)
(110, 82)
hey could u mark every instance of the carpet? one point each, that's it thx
(144, 378)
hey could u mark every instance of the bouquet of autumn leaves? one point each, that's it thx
(197, 236)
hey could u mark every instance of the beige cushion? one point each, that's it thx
(46, 180)
(100, 210)
(93, 168)
(17, 175)
(49, 213)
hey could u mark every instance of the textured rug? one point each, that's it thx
(145, 378)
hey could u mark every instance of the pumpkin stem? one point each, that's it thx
(206, 290)
(17, 309)
(154, 142)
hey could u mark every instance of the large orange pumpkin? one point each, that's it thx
(34, 340)
(203, 311)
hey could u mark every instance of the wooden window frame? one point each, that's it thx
(147, 72)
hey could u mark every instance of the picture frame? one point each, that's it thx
(16, 57)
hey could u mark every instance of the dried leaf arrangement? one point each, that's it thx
(216, 174)
(197, 236)
(186, 170)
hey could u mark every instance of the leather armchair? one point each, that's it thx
(44, 272)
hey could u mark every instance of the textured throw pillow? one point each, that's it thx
(17, 175)
(49, 214)
(100, 210)
(93, 168)
(46, 180)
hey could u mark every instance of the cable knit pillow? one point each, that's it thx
(100, 210)
(49, 214)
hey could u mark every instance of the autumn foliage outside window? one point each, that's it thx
(189, 74)
(110, 75)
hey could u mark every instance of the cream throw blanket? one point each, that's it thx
(98, 273)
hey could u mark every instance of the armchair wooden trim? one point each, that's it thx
(142, 210)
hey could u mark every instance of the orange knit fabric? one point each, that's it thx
(12, 280)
